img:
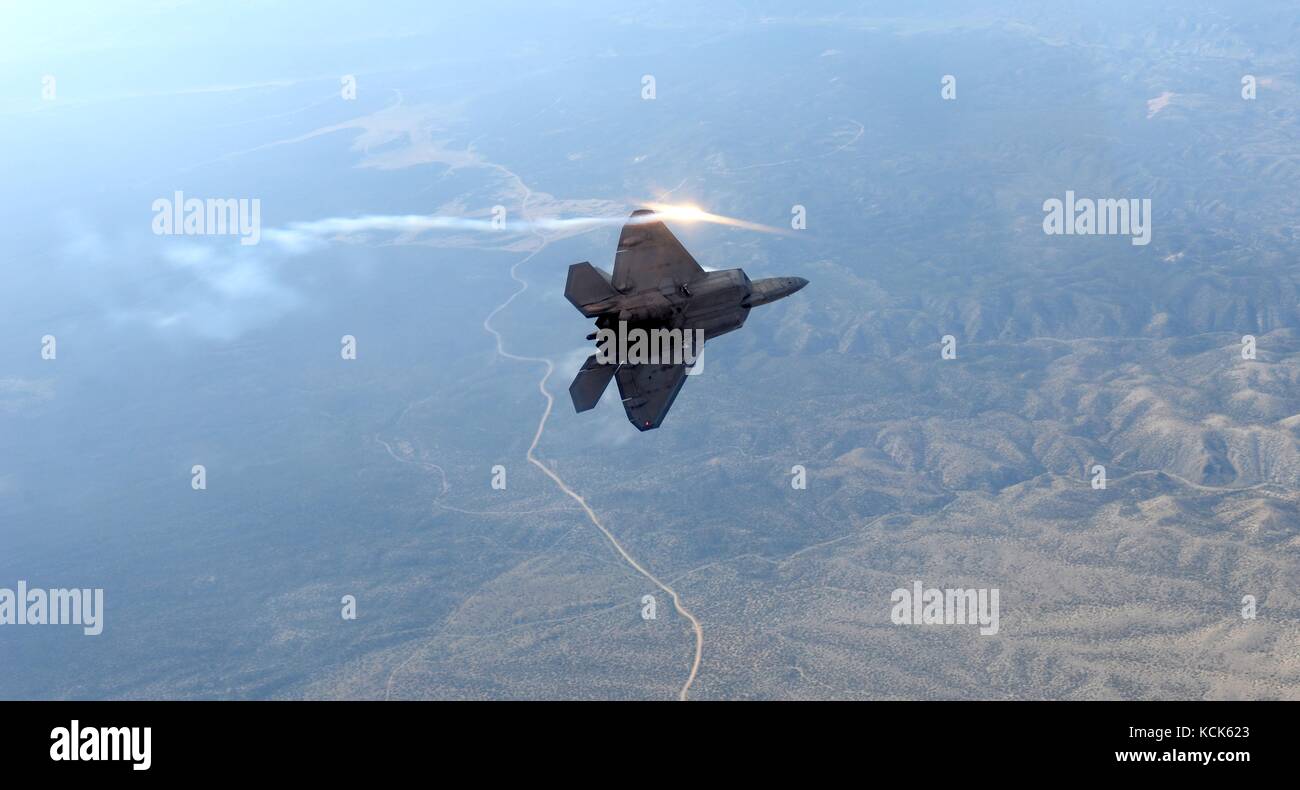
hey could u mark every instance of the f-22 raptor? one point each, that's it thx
(657, 285)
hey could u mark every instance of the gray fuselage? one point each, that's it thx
(717, 302)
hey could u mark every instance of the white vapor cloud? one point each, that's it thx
(297, 237)
(300, 237)
(213, 288)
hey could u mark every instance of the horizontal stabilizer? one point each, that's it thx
(587, 288)
(590, 383)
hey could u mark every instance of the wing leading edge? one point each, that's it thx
(649, 255)
(648, 392)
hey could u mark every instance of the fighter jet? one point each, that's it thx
(657, 285)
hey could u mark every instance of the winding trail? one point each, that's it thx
(555, 478)
(526, 194)
(429, 466)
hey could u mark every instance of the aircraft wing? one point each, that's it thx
(648, 392)
(649, 256)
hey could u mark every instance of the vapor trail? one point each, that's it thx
(301, 236)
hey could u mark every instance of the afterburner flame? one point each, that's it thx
(685, 212)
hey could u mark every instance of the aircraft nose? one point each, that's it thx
(770, 289)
